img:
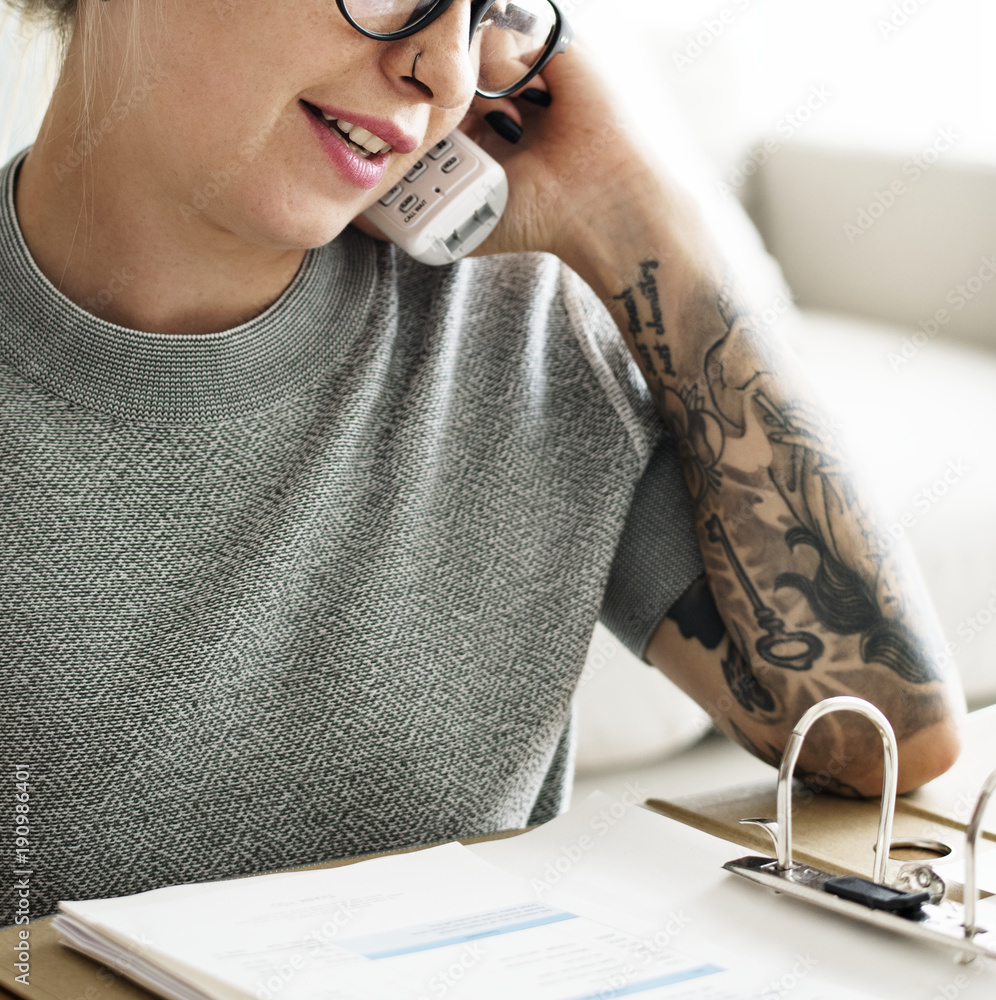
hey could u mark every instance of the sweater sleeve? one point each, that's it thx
(658, 556)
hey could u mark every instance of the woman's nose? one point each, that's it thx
(438, 61)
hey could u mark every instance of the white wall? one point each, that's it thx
(25, 82)
(892, 86)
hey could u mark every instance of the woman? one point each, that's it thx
(305, 541)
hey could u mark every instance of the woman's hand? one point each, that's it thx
(580, 167)
(583, 181)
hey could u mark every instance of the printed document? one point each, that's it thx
(433, 923)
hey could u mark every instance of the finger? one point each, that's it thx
(505, 116)
(502, 116)
(535, 92)
(541, 98)
(484, 106)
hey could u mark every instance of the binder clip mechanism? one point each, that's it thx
(914, 903)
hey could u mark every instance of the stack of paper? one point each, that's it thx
(493, 921)
(432, 923)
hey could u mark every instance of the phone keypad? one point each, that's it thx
(392, 196)
(420, 168)
(424, 185)
(441, 148)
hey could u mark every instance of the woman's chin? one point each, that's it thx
(297, 230)
(272, 210)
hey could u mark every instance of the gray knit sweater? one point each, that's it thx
(318, 585)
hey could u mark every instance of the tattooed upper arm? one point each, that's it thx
(815, 597)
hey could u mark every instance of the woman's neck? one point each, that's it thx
(112, 240)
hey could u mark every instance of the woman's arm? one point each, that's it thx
(814, 599)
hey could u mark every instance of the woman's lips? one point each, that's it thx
(394, 135)
(363, 171)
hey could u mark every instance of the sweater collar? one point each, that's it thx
(167, 378)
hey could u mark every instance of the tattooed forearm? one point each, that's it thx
(770, 754)
(813, 601)
(779, 647)
(632, 311)
(743, 683)
(823, 780)
(637, 326)
(648, 288)
(697, 617)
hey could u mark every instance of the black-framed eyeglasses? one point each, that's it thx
(512, 40)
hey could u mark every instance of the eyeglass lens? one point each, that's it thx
(509, 43)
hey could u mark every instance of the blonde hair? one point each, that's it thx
(57, 16)
(57, 22)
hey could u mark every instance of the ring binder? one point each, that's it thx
(942, 921)
(972, 832)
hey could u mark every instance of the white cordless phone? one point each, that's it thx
(446, 205)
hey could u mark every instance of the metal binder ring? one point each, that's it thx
(972, 832)
(783, 833)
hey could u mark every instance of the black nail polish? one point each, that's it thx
(536, 96)
(504, 125)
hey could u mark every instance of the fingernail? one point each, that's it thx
(504, 125)
(536, 96)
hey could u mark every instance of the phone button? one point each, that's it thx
(420, 168)
(392, 196)
(450, 165)
(408, 202)
(441, 148)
